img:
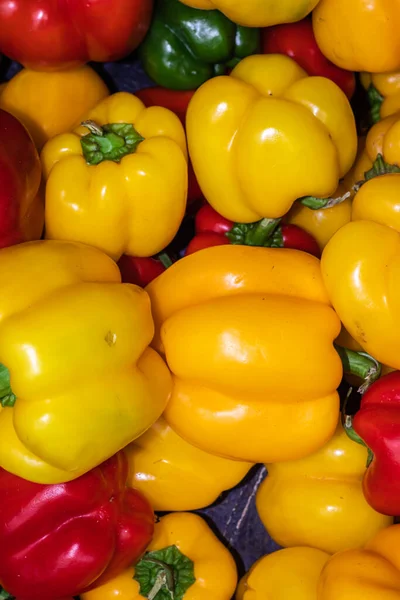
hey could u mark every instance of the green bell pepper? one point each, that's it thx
(186, 46)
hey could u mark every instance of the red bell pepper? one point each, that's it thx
(297, 41)
(214, 230)
(377, 425)
(60, 540)
(21, 208)
(177, 101)
(141, 271)
(60, 34)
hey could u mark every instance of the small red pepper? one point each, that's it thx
(139, 271)
(297, 40)
(21, 209)
(214, 230)
(176, 101)
(60, 540)
(377, 425)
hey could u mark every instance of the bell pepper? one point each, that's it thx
(254, 13)
(275, 134)
(367, 574)
(373, 45)
(359, 268)
(59, 35)
(375, 425)
(178, 102)
(140, 271)
(290, 574)
(98, 177)
(58, 540)
(383, 90)
(186, 46)
(174, 475)
(214, 230)
(231, 336)
(77, 381)
(52, 103)
(297, 40)
(383, 145)
(21, 206)
(185, 561)
(378, 200)
(318, 501)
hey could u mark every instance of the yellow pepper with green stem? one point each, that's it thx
(258, 13)
(122, 187)
(78, 381)
(231, 321)
(276, 135)
(318, 501)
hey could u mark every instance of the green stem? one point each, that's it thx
(109, 142)
(5, 595)
(375, 102)
(165, 260)
(253, 234)
(7, 397)
(320, 203)
(347, 424)
(380, 167)
(360, 364)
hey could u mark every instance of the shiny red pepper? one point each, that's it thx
(21, 208)
(60, 540)
(377, 425)
(214, 230)
(177, 101)
(140, 271)
(297, 41)
(59, 34)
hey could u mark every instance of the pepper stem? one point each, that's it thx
(321, 203)
(347, 424)
(7, 397)
(165, 260)
(360, 364)
(161, 582)
(109, 142)
(380, 167)
(253, 234)
(375, 102)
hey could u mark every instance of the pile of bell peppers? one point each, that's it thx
(199, 279)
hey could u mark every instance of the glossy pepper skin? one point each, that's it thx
(21, 206)
(253, 124)
(377, 424)
(378, 201)
(367, 574)
(297, 40)
(52, 103)
(289, 574)
(102, 204)
(177, 101)
(384, 139)
(318, 501)
(210, 569)
(186, 46)
(257, 402)
(214, 230)
(383, 93)
(360, 272)
(55, 35)
(372, 46)
(258, 13)
(75, 345)
(176, 476)
(58, 540)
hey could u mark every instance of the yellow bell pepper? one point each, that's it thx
(372, 45)
(203, 567)
(360, 270)
(52, 103)
(123, 192)
(73, 348)
(318, 501)
(372, 573)
(231, 321)
(258, 13)
(383, 91)
(276, 135)
(290, 574)
(378, 200)
(174, 475)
